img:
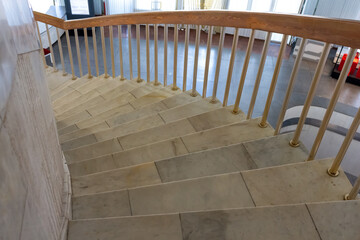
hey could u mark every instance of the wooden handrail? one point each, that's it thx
(342, 32)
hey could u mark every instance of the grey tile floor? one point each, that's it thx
(348, 102)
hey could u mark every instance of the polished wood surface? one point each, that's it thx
(343, 32)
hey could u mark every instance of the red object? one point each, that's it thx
(342, 62)
(354, 64)
(46, 51)
(104, 9)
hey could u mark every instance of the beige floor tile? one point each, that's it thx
(101, 205)
(156, 134)
(275, 151)
(68, 129)
(70, 94)
(143, 154)
(117, 91)
(78, 142)
(65, 122)
(83, 132)
(152, 97)
(337, 220)
(142, 91)
(93, 84)
(216, 192)
(280, 223)
(118, 179)
(296, 183)
(226, 135)
(150, 228)
(211, 162)
(180, 99)
(92, 151)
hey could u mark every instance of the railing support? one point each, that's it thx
(70, 54)
(139, 79)
(147, 35)
(61, 53)
(291, 85)
(319, 69)
(231, 66)
(354, 191)
(95, 50)
(41, 45)
(156, 81)
(334, 169)
(326, 119)
(130, 52)
(165, 53)
(78, 51)
(207, 61)
(104, 51)
(112, 50)
(218, 64)
(259, 75)
(176, 35)
(87, 52)
(187, 30)
(263, 122)
(51, 48)
(196, 60)
(122, 78)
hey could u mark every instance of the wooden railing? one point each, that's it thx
(341, 32)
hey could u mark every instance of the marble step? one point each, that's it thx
(145, 132)
(228, 159)
(55, 79)
(305, 182)
(115, 119)
(218, 137)
(322, 221)
(116, 123)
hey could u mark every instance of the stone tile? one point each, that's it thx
(101, 205)
(117, 91)
(109, 86)
(336, 220)
(110, 104)
(143, 154)
(78, 142)
(274, 151)
(296, 183)
(156, 134)
(166, 227)
(136, 114)
(95, 83)
(188, 110)
(130, 127)
(180, 99)
(215, 118)
(217, 192)
(147, 99)
(68, 129)
(65, 122)
(92, 151)
(123, 109)
(211, 162)
(82, 132)
(135, 176)
(226, 135)
(142, 91)
(280, 223)
(70, 94)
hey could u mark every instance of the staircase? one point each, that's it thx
(148, 162)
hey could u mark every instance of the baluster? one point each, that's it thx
(147, 54)
(196, 60)
(70, 54)
(231, 66)
(263, 123)
(122, 78)
(41, 45)
(218, 64)
(78, 51)
(130, 54)
(165, 53)
(354, 191)
(339, 85)
(244, 72)
(87, 52)
(187, 30)
(291, 85)
(112, 50)
(259, 74)
(207, 61)
(156, 81)
(319, 69)
(95, 50)
(138, 53)
(61, 52)
(104, 51)
(174, 87)
(334, 169)
(51, 48)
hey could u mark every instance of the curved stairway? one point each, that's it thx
(147, 162)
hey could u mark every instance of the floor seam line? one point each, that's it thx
(247, 188)
(312, 219)
(181, 226)
(128, 192)
(182, 140)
